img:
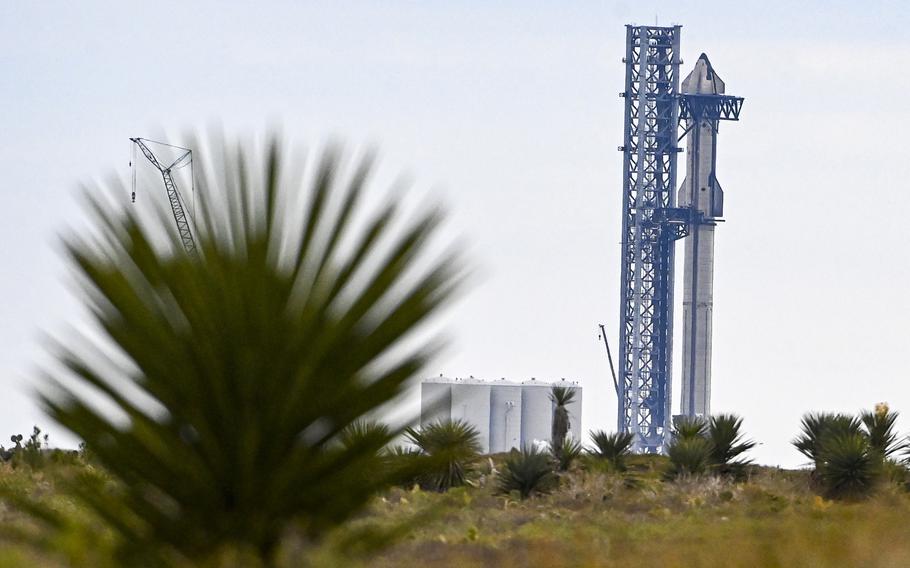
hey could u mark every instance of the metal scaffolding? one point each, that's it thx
(651, 224)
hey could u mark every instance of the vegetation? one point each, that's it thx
(688, 428)
(527, 472)
(817, 427)
(849, 467)
(851, 455)
(561, 397)
(712, 446)
(881, 432)
(453, 446)
(614, 447)
(590, 518)
(565, 454)
(366, 433)
(728, 445)
(238, 369)
(689, 456)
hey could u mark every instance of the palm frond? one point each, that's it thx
(237, 370)
(562, 396)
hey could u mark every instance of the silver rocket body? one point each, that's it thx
(701, 191)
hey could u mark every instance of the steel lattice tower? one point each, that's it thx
(650, 226)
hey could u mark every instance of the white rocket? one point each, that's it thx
(701, 191)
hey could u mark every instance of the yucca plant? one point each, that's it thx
(689, 427)
(566, 454)
(818, 426)
(849, 468)
(724, 432)
(880, 430)
(452, 446)
(689, 450)
(688, 456)
(235, 371)
(527, 472)
(847, 464)
(561, 397)
(364, 432)
(613, 447)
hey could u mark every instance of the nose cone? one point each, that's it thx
(703, 80)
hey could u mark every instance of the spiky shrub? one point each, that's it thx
(880, 430)
(453, 447)
(724, 432)
(526, 472)
(560, 397)
(689, 427)
(819, 426)
(612, 447)
(239, 367)
(688, 457)
(364, 432)
(849, 467)
(565, 454)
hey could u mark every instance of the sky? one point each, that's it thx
(510, 115)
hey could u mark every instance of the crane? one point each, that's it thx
(185, 158)
(603, 335)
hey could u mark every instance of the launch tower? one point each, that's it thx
(652, 223)
(648, 233)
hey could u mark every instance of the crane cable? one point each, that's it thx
(133, 170)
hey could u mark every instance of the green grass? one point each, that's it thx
(594, 518)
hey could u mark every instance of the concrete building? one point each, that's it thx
(506, 414)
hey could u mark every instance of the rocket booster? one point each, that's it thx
(701, 191)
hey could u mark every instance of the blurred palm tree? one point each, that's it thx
(238, 376)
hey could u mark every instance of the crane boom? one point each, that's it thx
(603, 334)
(180, 218)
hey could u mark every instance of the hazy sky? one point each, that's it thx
(510, 115)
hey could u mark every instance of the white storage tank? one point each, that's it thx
(435, 401)
(536, 413)
(471, 403)
(505, 417)
(574, 407)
